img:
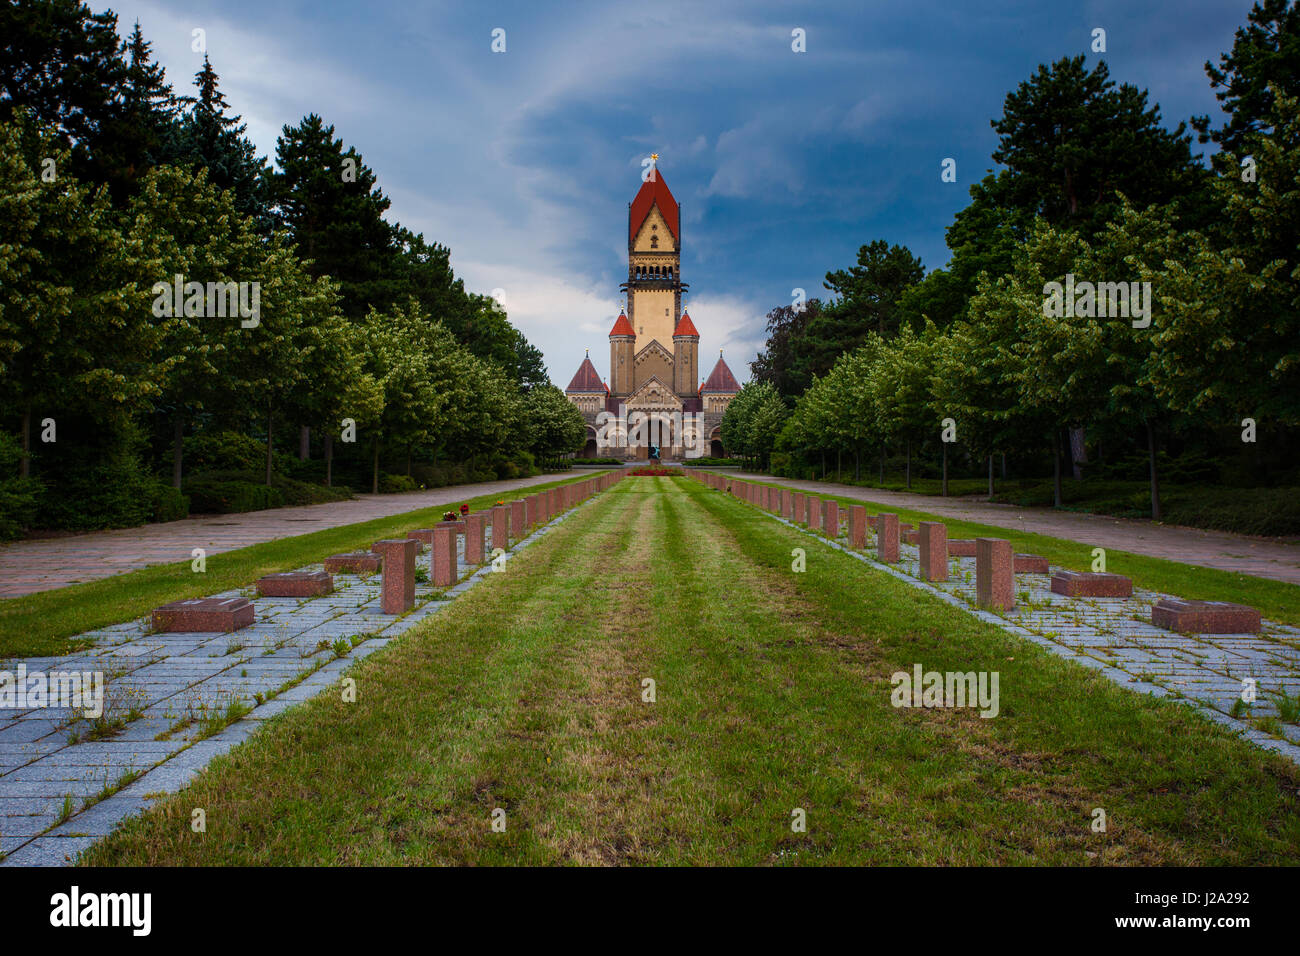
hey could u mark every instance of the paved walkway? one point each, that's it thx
(1276, 558)
(66, 780)
(46, 564)
(1116, 637)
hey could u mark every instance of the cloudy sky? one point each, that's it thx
(523, 162)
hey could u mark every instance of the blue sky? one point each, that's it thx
(523, 162)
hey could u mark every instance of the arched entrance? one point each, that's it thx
(589, 450)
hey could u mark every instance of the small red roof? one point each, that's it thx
(685, 326)
(622, 326)
(653, 192)
(720, 380)
(586, 379)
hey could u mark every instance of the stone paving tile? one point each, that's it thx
(173, 681)
(1115, 637)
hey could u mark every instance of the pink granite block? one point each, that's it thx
(831, 518)
(295, 584)
(1205, 617)
(857, 527)
(961, 547)
(813, 517)
(799, 515)
(475, 548)
(399, 556)
(354, 562)
(500, 526)
(204, 614)
(787, 505)
(932, 538)
(994, 579)
(1091, 584)
(910, 537)
(422, 535)
(442, 571)
(887, 537)
(530, 512)
(518, 524)
(1029, 564)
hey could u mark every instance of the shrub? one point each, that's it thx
(392, 484)
(19, 497)
(210, 494)
(167, 503)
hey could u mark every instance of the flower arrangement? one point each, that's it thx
(500, 502)
(464, 509)
(449, 516)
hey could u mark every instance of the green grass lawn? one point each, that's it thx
(1277, 600)
(772, 693)
(47, 623)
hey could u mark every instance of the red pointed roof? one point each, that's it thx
(685, 326)
(586, 379)
(720, 380)
(653, 192)
(622, 326)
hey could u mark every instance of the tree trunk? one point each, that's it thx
(839, 463)
(823, 466)
(408, 461)
(374, 480)
(945, 468)
(178, 449)
(1155, 478)
(25, 462)
(857, 464)
(1004, 466)
(270, 420)
(882, 464)
(909, 465)
(329, 460)
(304, 443)
(990, 476)
(1056, 468)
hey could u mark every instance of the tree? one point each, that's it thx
(210, 137)
(1264, 63)
(778, 364)
(329, 201)
(869, 293)
(74, 329)
(1073, 142)
(63, 65)
(553, 424)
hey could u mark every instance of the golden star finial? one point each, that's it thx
(654, 155)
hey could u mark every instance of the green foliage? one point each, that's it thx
(553, 424)
(19, 497)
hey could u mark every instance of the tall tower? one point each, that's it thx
(654, 239)
(686, 347)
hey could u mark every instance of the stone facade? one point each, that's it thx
(652, 398)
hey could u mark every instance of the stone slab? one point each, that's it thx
(1029, 564)
(1205, 617)
(354, 562)
(204, 614)
(1091, 584)
(295, 584)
